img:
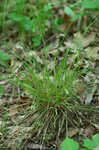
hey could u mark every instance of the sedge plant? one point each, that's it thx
(52, 94)
(53, 101)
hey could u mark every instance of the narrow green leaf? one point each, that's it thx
(69, 11)
(1, 90)
(84, 149)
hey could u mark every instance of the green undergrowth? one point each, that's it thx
(32, 21)
(88, 144)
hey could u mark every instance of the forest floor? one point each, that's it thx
(79, 46)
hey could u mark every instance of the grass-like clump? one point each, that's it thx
(52, 93)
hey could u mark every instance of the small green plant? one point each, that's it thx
(91, 144)
(70, 144)
(86, 7)
(31, 20)
(4, 58)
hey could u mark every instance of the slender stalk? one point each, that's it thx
(3, 19)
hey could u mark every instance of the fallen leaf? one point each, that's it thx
(89, 94)
(34, 55)
(82, 41)
(92, 52)
(72, 132)
(89, 131)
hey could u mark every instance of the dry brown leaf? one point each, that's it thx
(82, 41)
(89, 131)
(72, 132)
(88, 94)
(69, 25)
(92, 52)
